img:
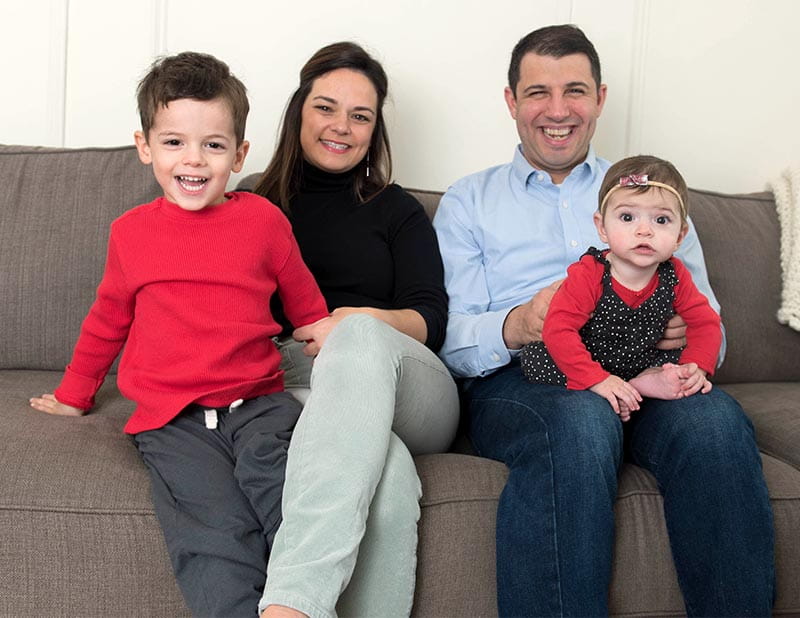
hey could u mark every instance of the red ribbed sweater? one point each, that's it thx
(187, 294)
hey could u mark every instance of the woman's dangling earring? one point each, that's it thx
(367, 163)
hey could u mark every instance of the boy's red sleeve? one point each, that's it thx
(300, 295)
(103, 333)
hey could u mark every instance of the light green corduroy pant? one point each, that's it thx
(351, 498)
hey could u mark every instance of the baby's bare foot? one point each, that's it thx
(660, 382)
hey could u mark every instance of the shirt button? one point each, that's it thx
(573, 243)
(495, 357)
(564, 204)
(540, 177)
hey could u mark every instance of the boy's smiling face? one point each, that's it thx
(192, 147)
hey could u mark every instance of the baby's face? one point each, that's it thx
(642, 228)
(192, 147)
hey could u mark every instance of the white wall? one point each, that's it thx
(710, 85)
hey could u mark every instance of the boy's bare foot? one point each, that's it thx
(660, 382)
(281, 611)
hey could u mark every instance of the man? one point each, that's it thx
(507, 235)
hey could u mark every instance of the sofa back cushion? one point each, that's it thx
(740, 235)
(56, 206)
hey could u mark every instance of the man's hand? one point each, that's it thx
(674, 336)
(48, 403)
(524, 323)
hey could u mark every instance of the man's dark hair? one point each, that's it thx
(555, 41)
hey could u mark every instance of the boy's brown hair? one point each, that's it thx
(191, 75)
(658, 171)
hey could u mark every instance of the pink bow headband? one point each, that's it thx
(641, 180)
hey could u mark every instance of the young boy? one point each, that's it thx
(186, 290)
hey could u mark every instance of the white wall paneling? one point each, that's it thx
(709, 85)
(33, 48)
(722, 95)
(111, 44)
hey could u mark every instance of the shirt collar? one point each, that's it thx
(524, 172)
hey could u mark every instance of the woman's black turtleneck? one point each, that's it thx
(382, 253)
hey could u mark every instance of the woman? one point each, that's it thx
(375, 256)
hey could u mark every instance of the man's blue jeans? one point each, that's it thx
(555, 519)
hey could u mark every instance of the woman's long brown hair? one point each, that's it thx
(281, 181)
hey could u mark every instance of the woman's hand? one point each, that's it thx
(407, 321)
(48, 403)
(314, 334)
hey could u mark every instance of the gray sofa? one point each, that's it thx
(79, 536)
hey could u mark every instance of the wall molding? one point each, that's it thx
(160, 27)
(567, 10)
(638, 78)
(56, 107)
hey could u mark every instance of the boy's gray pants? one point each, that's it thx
(217, 495)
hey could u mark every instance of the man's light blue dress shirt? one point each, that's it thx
(507, 232)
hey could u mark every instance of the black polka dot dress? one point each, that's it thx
(620, 338)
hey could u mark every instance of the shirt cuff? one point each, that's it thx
(493, 351)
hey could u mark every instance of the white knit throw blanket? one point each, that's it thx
(787, 199)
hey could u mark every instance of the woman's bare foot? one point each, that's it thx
(281, 611)
(660, 382)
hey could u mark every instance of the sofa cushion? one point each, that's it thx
(56, 206)
(740, 235)
(460, 495)
(773, 408)
(80, 537)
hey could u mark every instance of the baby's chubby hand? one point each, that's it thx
(623, 397)
(693, 380)
(48, 403)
